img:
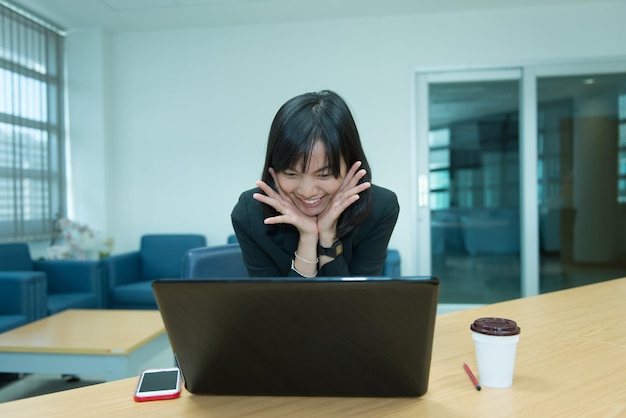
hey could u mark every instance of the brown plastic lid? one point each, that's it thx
(495, 326)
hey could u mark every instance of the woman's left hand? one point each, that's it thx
(347, 194)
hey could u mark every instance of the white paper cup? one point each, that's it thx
(495, 342)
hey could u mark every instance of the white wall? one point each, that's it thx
(86, 117)
(186, 113)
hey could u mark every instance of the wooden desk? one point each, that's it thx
(110, 343)
(571, 361)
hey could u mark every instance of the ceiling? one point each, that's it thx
(448, 103)
(143, 15)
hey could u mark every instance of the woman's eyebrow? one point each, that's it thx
(325, 168)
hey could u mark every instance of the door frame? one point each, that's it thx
(527, 74)
(529, 254)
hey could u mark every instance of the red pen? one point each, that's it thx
(471, 376)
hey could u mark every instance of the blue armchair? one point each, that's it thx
(130, 275)
(22, 298)
(215, 261)
(75, 284)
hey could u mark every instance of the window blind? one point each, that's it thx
(32, 175)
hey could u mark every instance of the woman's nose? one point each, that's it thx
(307, 187)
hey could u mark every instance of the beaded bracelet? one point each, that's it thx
(293, 267)
(304, 260)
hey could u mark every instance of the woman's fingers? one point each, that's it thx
(289, 213)
(354, 174)
(271, 197)
(351, 186)
(346, 196)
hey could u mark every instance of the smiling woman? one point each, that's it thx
(315, 210)
(310, 187)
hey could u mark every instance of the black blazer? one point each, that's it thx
(269, 249)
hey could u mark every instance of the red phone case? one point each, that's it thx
(156, 397)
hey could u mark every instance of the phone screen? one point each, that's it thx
(160, 380)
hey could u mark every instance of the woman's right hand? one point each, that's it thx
(288, 212)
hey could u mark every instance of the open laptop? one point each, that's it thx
(283, 336)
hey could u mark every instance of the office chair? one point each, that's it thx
(214, 261)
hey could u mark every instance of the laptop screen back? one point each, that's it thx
(329, 337)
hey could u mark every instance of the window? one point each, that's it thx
(32, 180)
(439, 165)
(621, 156)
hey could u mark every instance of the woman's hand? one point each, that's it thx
(289, 213)
(347, 194)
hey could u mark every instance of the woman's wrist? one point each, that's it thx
(306, 274)
(306, 261)
(333, 251)
(327, 240)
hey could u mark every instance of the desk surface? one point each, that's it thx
(571, 361)
(86, 331)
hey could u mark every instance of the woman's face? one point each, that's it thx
(312, 191)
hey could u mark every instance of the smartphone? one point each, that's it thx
(155, 384)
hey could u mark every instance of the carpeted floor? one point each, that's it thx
(13, 386)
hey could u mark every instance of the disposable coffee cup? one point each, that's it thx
(495, 342)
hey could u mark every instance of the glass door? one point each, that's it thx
(581, 177)
(473, 166)
(521, 179)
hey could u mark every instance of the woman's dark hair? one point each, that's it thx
(298, 125)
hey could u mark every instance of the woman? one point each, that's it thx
(315, 211)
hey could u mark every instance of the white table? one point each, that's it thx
(571, 361)
(113, 344)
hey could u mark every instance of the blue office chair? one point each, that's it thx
(392, 264)
(218, 261)
(130, 275)
(390, 269)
